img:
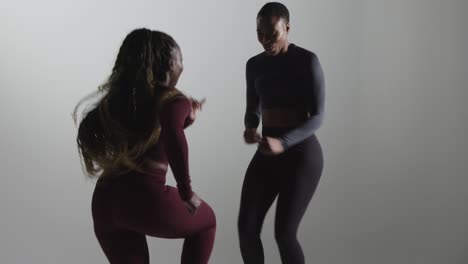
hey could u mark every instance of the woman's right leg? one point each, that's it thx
(198, 230)
(157, 210)
(258, 193)
(198, 247)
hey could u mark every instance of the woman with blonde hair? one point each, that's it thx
(128, 139)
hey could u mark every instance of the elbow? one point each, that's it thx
(318, 119)
(321, 118)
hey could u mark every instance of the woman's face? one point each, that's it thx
(272, 33)
(176, 67)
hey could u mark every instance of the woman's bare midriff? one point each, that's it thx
(283, 117)
(153, 165)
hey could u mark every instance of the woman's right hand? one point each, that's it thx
(193, 204)
(251, 136)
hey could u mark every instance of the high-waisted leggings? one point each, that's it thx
(127, 209)
(292, 176)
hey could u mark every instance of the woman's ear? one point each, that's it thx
(171, 64)
(166, 81)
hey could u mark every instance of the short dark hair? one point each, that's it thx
(274, 9)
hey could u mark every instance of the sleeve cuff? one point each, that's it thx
(185, 191)
(188, 122)
(284, 143)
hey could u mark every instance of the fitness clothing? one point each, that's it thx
(128, 207)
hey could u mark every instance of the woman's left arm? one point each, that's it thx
(315, 92)
(196, 106)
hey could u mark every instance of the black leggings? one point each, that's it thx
(293, 177)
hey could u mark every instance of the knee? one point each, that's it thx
(247, 230)
(285, 237)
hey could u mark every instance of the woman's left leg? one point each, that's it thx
(303, 167)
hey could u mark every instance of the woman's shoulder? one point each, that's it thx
(173, 95)
(303, 52)
(174, 99)
(304, 56)
(252, 61)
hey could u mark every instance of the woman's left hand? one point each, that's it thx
(271, 146)
(196, 106)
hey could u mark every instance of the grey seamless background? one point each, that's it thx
(393, 187)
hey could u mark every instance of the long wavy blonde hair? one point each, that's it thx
(116, 133)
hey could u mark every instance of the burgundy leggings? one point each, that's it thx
(128, 208)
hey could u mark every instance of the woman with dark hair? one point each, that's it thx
(285, 88)
(128, 139)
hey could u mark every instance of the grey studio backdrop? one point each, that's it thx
(394, 185)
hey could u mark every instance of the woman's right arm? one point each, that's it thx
(172, 117)
(253, 109)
